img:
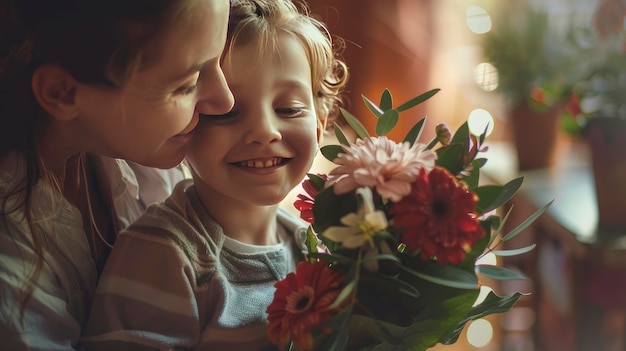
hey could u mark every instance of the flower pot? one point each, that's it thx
(607, 144)
(535, 134)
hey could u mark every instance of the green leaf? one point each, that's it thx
(341, 136)
(501, 225)
(445, 275)
(483, 136)
(332, 257)
(415, 132)
(474, 176)
(344, 294)
(438, 321)
(451, 158)
(381, 257)
(385, 100)
(338, 339)
(500, 273)
(330, 152)
(386, 122)
(390, 283)
(491, 222)
(527, 222)
(311, 243)
(514, 252)
(375, 110)
(479, 248)
(494, 304)
(356, 125)
(461, 136)
(317, 180)
(455, 156)
(479, 162)
(490, 305)
(368, 325)
(494, 196)
(417, 100)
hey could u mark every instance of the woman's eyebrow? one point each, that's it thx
(192, 69)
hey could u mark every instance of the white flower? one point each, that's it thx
(360, 228)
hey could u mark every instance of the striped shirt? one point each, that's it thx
(174, 281)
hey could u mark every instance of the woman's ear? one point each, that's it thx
(55, 90)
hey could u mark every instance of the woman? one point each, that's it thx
(84, 85)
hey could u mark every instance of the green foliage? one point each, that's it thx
(408, 302)
(601, 94)
(494, 196)
(529, 52)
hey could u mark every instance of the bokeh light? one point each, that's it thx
(486, 76)
(477, 19)
(478, 120)
(479, 333)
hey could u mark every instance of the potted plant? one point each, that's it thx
(597, 113)
(535, 74)
(600, 97)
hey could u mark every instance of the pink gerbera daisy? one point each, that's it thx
(382, 164)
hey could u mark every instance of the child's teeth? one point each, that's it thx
(261, 164)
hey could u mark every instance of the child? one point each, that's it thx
(82, 83)
(197, 272)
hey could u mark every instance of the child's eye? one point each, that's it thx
(185, 90)
(290, 111)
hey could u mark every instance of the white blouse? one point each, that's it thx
(57, 309)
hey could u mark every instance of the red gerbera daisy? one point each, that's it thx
(304, 204)
(301, 302)
(437, 217)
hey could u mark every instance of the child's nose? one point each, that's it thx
(264, 127)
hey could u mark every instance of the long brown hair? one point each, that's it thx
(99, 42)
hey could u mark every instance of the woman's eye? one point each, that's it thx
(185, 90)
(223, 117)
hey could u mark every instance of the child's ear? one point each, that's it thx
(55, 90)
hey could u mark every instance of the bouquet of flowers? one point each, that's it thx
(396, 231)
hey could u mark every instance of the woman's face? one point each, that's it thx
(150, 120)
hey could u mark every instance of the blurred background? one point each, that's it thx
(548, 80)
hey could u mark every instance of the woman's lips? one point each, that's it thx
(191, 127)
(185, 136)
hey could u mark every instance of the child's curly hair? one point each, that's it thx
(265, 19)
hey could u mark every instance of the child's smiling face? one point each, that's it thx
(261, 150)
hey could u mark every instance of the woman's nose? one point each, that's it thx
(214, 95)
